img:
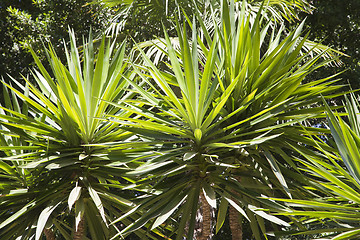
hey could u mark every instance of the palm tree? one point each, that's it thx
(221, 127)
(57, 176)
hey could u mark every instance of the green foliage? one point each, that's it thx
(53, 158)
(336, 178)
(223, 119)
(131, 146)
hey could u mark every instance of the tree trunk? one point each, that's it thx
(78, 235)
(235, 221)
(235, 224)
(49, 234)
(206, 219)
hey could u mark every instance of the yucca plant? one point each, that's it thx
(56, 177)
(336, 177)
(221, 127)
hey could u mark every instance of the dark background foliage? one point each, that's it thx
(337, 24)
(30, 22)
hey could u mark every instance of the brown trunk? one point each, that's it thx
(49, 234)
(235, 224)
(206, 215)
(235, 221)
(78, 235)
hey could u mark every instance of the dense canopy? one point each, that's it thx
(146, 119)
